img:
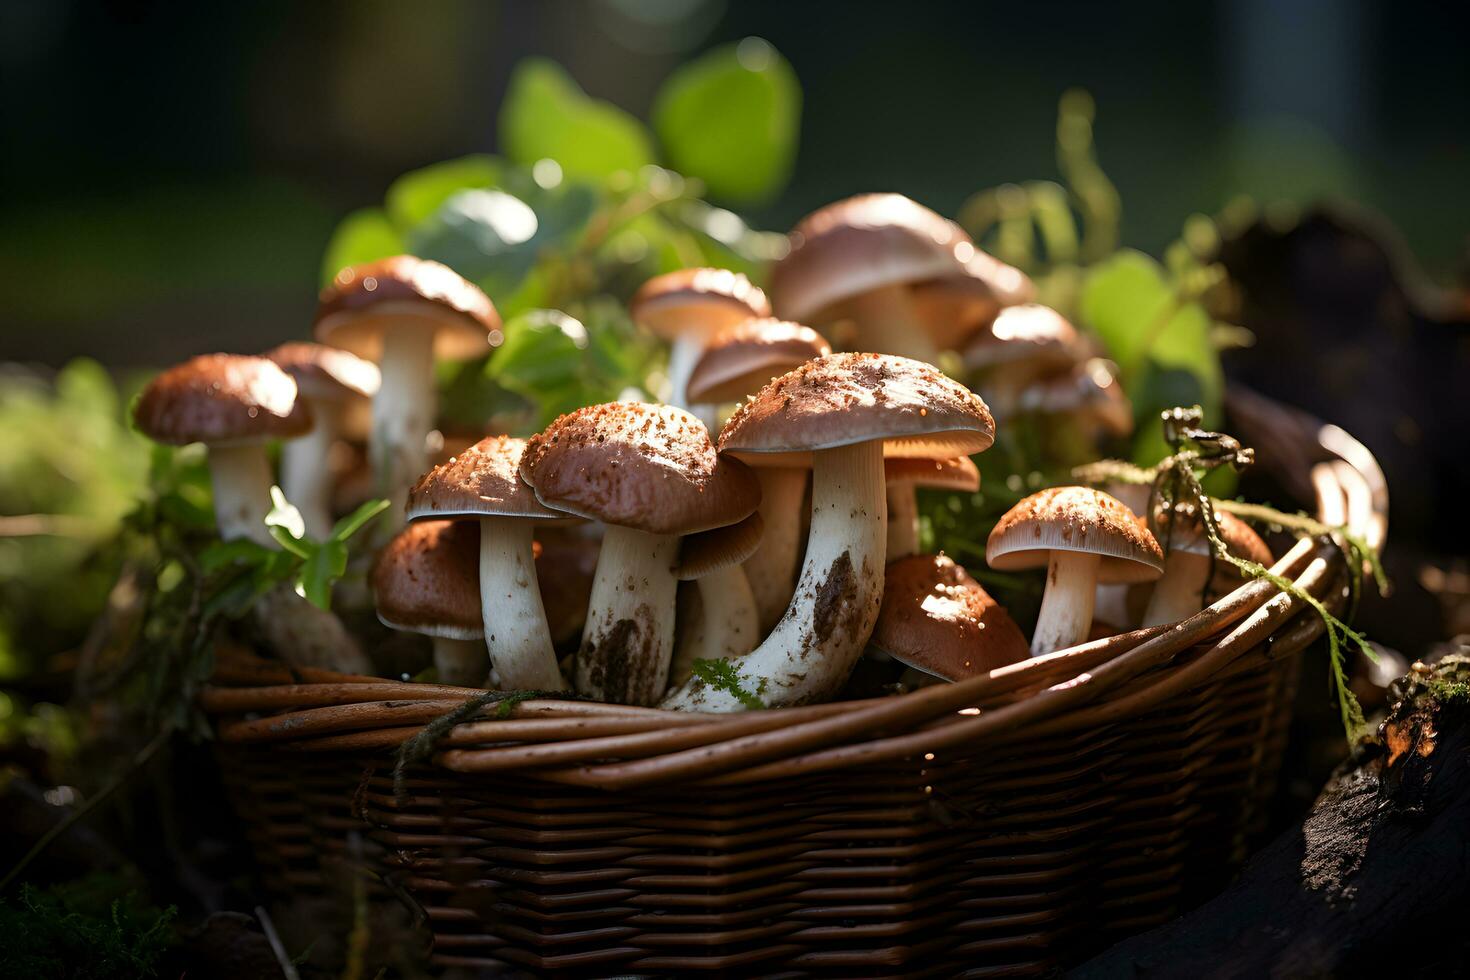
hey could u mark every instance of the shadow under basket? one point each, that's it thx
(1008, 824)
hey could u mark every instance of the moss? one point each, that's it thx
(722, 675)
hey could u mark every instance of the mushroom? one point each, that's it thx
(938, 620)
(1006, 283)
(566, 561)
(1089, 393)
(725, 623)
(651, 474)
(687, 308)
(838, 411)
(234, 405)
(328, 380)
(483, 484)
(903, 477)
(404, 312)
(1111, 605)
(737, 364)
(1082, 536)
(954, 308)
(425, 581)
(1188, 563)
(857, 258)
(1024, 343)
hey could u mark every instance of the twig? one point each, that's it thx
(288, 969)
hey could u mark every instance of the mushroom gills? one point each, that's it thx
(403, 409)
(241, 479)
(771, 571)
(1066, 606)
(516, 635)
(726, 626)
(629, 637)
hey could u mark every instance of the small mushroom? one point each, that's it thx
(1024, 343)
(329, 381)
(1111, 605)
(838, 411)
(651, 474)
(483, 484)
(725, 624)
(938, 620)
(1189, 565)
(1089, 394)
(904, 476)
(856, 260)
(404, 312)
(1082, 537)
(425, 581)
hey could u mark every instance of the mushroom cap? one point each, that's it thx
(720, 547)
(221, 400)
(427, 580)
(1187, 534)
(951, 473)
(1007, 283)
(647, 467)
(326, 373)
(846, 399)
(1090, 389)
(938, 619)
(742, 358)
(859, 244)
(1075, 519)
(1031, 333)
(706, 299)
(954, 308)
(481, 481)
(362, 300)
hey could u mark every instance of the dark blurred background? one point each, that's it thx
(172, 171)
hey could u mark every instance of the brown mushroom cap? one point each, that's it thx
(1090, 389)
(427, 580)
(719, 547)
(742, 358)
(1032, 333)
(363, 299)
(938, 619)
(859, 244)
(954, 308)
(717, 298)
(328, 373)
(481, 481)
(1187, 534)
(845, 399)
(1075, 519)
(221, 400)
(957, 473)
(647, 467)
(1008, 284)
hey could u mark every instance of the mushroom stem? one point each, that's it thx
(727, 625)
(887, 324)
(903, 521)
(1180, 593)
(516, 634)
(241, 478)
(306, 476)
(1066, 606)
(813, 648)
(403, 410)
(684, 354)
(771, 571)
(460, 663)
(629, 637)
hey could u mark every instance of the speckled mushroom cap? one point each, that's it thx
(1031, 332)
(1090, 389)
(938, 619)
(711, 298)
(1187, 534)
(482, 481)
(647, 467)
(845, 399)
(719, 547)
(1075, 519)
(957, 473)
(221, 400)
(741, 359)
(859, 244)
(327, 373)
(363, 299)
(427, 580)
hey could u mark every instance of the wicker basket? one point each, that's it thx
(1007, 824)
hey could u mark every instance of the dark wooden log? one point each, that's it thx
(1374, 882)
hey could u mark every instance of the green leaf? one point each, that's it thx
(546, 115)
(325, 566)
(347, 526)
(416, 195)
(731, 118)
(362, 236)
(543, 349)
(219, 554)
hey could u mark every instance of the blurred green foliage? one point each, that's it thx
(94, 928)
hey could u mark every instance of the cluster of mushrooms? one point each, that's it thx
(763, 516)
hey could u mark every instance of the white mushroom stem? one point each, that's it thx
(813, 648)
(306, 475)
(903, 521)
(461, 663)
(241, 478)
(887, 324)
(771, 571)
(516, 634)
(727, 625)
(684, 355)
(1066, 606)
(1180, 593)
(403, 410)
(629, 637)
